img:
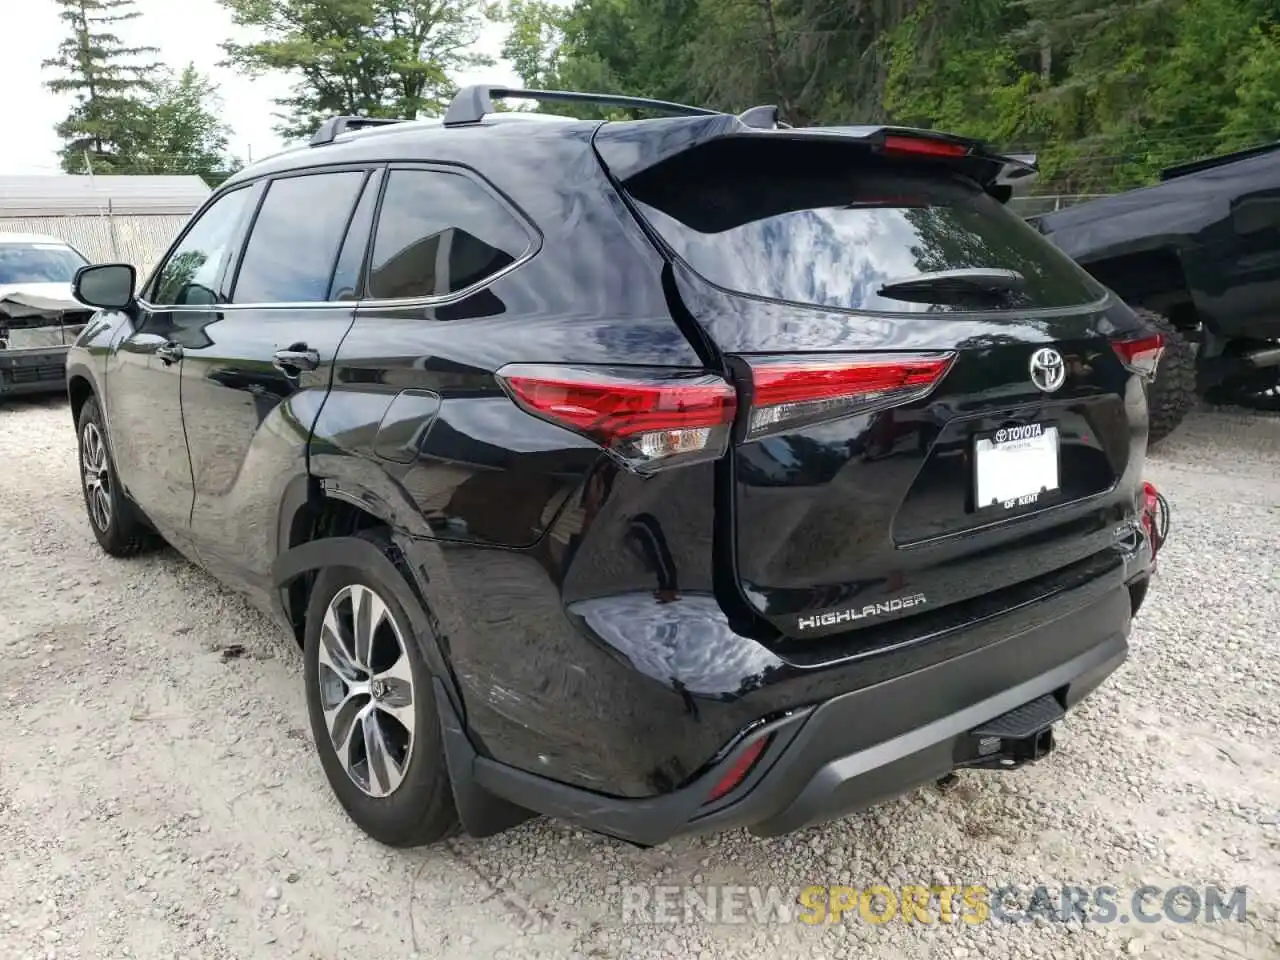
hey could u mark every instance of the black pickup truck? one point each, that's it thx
(1199, 253)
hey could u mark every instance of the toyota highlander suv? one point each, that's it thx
(662, 475)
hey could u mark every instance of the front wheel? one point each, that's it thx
(373, 712)
(112, 517)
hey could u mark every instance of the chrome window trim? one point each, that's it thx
(533, 246)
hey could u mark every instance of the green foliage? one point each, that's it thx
(183, 132)
(1106, 92)
(377, 58)
(107, 79)
(130, 115)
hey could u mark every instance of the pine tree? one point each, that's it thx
(109, 80)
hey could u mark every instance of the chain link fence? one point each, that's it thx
(1034, 206)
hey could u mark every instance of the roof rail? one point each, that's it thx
(332, 128)
(473, 103)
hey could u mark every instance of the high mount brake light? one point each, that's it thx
(648, 418)
(897, 145)
(790, 392)
(1142, 354)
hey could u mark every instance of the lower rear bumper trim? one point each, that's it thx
(821, 764)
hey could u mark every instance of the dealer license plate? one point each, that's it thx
(1015, 466)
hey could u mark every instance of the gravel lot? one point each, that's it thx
(158, 799)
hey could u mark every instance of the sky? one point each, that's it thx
(186, 31)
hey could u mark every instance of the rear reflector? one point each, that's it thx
(1141, 355)
(789, 392)
(896, 145)
(648, 418)
(739, 769)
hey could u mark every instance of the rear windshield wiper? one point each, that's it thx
(971, 284)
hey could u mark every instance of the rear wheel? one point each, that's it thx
(373, 712)
(115, 521)
(1172, 394)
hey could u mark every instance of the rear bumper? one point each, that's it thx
(832, 758)
(33, 371)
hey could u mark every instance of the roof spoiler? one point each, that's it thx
(627, 154)
(1019, 168)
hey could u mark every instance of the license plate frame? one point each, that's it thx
(1040, 445)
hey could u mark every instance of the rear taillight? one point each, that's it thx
(1141, 354)
(647, 418)
(788, 392)
(897, 145)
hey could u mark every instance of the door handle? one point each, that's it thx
(169, 352)
(296, 358)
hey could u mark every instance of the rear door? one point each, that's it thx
(255, 377)
(932, 408)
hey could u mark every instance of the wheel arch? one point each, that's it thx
(80, 387)
(309, 512)
(1154, 278)
(319, 527)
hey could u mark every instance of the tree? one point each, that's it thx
(182, 132)
(377, 58)
(534, 40)
(108, 79)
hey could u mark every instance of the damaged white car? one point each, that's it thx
(39, 316)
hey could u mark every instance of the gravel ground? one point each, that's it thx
(160, 799)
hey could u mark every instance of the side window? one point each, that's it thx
(439, 233)
(190, 276)
(294, 243)
(346, 275)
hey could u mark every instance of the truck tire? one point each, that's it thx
(1173, 392)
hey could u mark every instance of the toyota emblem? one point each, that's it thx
(1048, 371)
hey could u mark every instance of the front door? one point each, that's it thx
(143, 376)
(253, 387)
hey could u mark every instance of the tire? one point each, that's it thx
(114, 520)
(405, 799)
(1172, 394)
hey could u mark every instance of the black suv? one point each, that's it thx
(663, 475)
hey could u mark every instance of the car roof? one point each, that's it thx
(473, 123)
(405, 139)
(472, 113)
(25, 239)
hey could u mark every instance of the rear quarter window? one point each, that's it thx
(439, 234)
(831, 225)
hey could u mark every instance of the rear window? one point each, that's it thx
(830, 225)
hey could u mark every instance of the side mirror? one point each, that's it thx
(108, 286)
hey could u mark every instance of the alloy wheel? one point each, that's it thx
(97, 476)
(366, 690)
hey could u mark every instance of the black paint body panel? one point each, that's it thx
(591, 627)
